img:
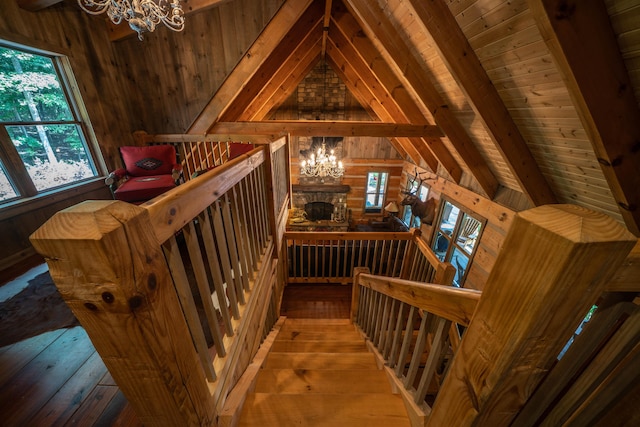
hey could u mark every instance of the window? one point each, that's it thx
(376, 190)
(407, 216)
(42, 140)
(455, 238)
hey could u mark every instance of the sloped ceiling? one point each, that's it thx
(529, 95)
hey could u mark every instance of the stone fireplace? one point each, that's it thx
(321, 202)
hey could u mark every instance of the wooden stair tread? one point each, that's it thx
(315, 346)
(353, 410)
(320, 361)
(321, 381)
(307, 335)
(304, 322)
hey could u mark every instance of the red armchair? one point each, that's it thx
(148, 172)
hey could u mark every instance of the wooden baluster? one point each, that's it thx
(437, 345)
(232, 245)
(393, 311)
(214, 267)
(406, 341)
(553, 265)
(202, 282)
(384, 325)
(223, 252)
(418, 349)
(241, 241)
(129, 307)
(397, 335)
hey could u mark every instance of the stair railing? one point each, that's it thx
(554, 265)
(176, 294)
(409, 325)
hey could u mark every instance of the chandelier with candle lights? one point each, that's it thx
(142, 15)
(322, 164)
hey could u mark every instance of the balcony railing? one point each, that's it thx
(178, 293)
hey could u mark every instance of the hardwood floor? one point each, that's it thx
(58, 379)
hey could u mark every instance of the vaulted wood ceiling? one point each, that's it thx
(531, 95)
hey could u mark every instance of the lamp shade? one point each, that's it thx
(392, 207)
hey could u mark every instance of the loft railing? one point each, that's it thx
(176, 294)
(332, 257)
(198, 153)
(135, 275)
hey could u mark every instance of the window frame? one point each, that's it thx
(453, 238)
(378, 193)
(12, 162)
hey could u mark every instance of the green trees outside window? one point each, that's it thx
(41, 138)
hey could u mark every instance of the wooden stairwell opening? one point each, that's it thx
(319, 372)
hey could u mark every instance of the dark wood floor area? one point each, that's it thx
(58, 379)
(316, 301)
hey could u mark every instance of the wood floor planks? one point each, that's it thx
(57, 378)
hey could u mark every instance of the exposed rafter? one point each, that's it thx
(297, 49)
(260, 50)
(583, 44)
(359, 50)
(377, 26)
(466, 68)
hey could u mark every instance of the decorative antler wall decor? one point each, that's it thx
(425, 210)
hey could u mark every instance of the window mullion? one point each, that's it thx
(14, 166)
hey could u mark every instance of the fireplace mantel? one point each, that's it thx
(319, 188)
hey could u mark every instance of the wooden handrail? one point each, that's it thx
(455, 304)
(172, 210)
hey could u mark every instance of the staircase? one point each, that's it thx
(320, 373)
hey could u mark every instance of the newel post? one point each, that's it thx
(107, 264)
(554, 264)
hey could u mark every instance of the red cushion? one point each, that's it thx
(236, 149)
(138, 189)
(147, 161)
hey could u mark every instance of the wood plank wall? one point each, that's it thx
(124, 85)
(194, 63)
(65, 30)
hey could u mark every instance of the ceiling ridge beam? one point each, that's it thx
(584, 46)
(267, 41)
(472, 78)
(378, 27)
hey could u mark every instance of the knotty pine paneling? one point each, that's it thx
(64, 29)
(172, 76)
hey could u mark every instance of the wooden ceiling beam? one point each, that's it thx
(584, 46)
(36, 5)
(378, 27)
(464, 65)
(343, 53)
(325, 26)
(123, 30)
(268, 40)
(278, 90)
(324, 128)
(302, 36)
(347, 35)
(367, 98)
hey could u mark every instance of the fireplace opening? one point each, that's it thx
(317, 211)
